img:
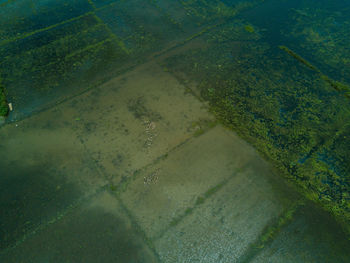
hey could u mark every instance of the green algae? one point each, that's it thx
(284, 124)
(339, 86)
(249, 28)
(299, 58)
(167, 15)
(271, 231)
(77, 51)
(323, 31)
(71, 54)
(74, 52)
(287, 112)
(210, 11)
(4, 110)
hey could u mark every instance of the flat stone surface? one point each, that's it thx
(224, 225)
(312, 237)
(44, 170)
(133, 119)
(164, 191)
(98, 231)
(206, 200)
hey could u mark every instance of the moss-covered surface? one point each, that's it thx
(338, 86)
(321, 29)
(60, 61)
(280, 103)
(18, 18)
(57, 49)
(271, 231)
(54, 50)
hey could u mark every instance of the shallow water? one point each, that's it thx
(174, 131)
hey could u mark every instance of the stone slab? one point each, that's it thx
(133, 119)
(97, 231)
(163, 192)
(223, 226)
(44, 170)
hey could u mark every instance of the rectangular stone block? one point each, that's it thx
(134, 119)
(222, 226)
(165, 191)
(96, 231)
(44, 171)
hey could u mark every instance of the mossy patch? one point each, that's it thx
(249, 28)
(323, 31)
(4, 110)
(337, 85)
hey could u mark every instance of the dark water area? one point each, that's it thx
(175, 131)
(18, 17)
(274, 16)
(279, 18)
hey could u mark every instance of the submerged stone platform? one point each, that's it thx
(112, 154)
(137, 170)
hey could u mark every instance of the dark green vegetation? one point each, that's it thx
(280, 102)
(3, 104)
